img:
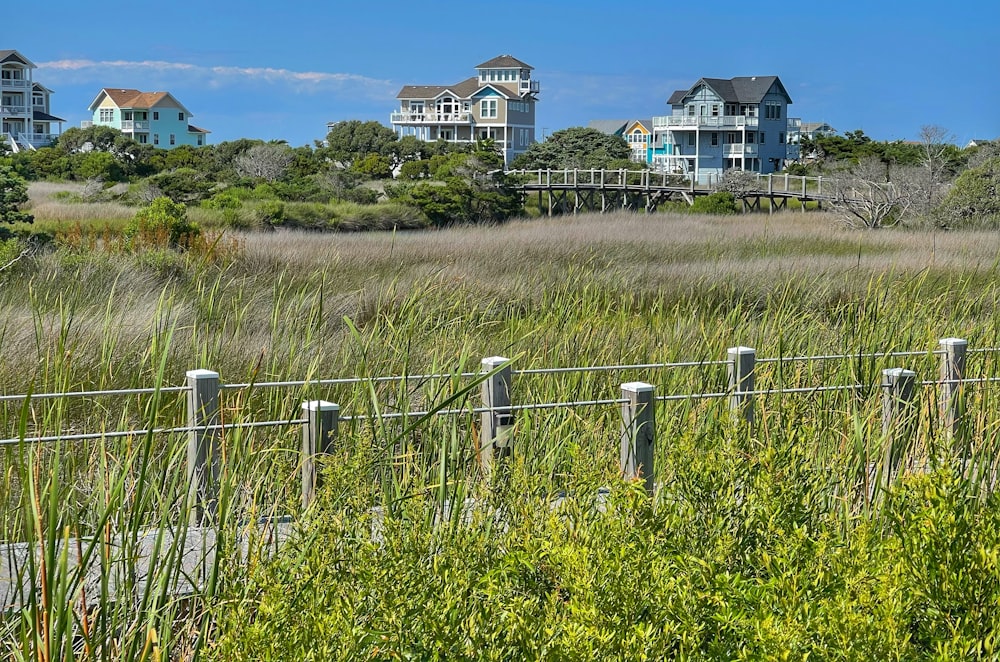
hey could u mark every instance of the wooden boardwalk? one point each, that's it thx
(573, 191)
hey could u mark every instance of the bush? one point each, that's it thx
(163, 222)
(720, 203)
(974, 199)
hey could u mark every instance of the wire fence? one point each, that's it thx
(737, 384)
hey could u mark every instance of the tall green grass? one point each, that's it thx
(748, 528)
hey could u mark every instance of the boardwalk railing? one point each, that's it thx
(605, 190)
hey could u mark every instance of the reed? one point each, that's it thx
(748, 528)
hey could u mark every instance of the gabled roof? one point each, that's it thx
(742, 89)
(193, 129)
(14, 56)
(645, 123)
(36, 86)
(464, 90)
(39, 116)
(504, 62)
(129, 98)
(610, 127)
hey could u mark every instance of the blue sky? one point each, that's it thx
(282, 70)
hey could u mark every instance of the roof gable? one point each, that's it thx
(504, 62)
(742, 89)
(14, 56)
(131, 98)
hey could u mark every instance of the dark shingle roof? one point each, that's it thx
(14, 56)
(503, 62)
(742, 89)
(39, 116)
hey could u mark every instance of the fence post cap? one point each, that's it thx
(742, 350)
(202, 374)
(319, 405)
(954, 342)
(896, 373)
(637, 387)
(494, 361)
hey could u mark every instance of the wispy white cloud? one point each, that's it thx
(108, 71)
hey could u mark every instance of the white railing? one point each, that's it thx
(86, 124)
(14, 82)
(135, 125)
(403, 117)
(13, 110)
(39, 139)
(740, 149)
(708, 121)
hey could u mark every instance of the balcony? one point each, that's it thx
(134, 125)
(86, 124)
(529, 86)
(13, 110)
(733, 150)
(14, 83)
(39, 139)
(704, 122)
(431, 118)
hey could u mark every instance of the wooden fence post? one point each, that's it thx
(638, 433)
(952, 373)
(318, 433)
(898, 416)
(497, 434)
(203, 445)
(741, 381)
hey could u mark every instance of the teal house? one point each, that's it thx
(154, 118)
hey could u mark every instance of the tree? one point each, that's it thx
(576, 147)
(869, 196)
(476, 190)
(353, 140)
(13, 194)
(738, 183)
(974, 199)
(268, 162)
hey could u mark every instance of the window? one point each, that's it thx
(106, 115)
(691, 110)
(772, 110)
(173, 139)
(781, 137)
(201, 140)
(156, 114)
(156, 136)
(142, 138)
(488, 108)
(732, 138)
(37, 99)
(691, 139)
(762, 137)
(750, 137)
(715, 139)
(180, 117)
(715, 110)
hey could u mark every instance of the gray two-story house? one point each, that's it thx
(721, 124)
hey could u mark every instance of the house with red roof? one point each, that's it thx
(154, 118)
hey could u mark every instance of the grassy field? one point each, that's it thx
(760, 544)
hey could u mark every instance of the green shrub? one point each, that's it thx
(162, 222)
(720, 202)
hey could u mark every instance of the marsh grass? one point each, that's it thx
(807, 488)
